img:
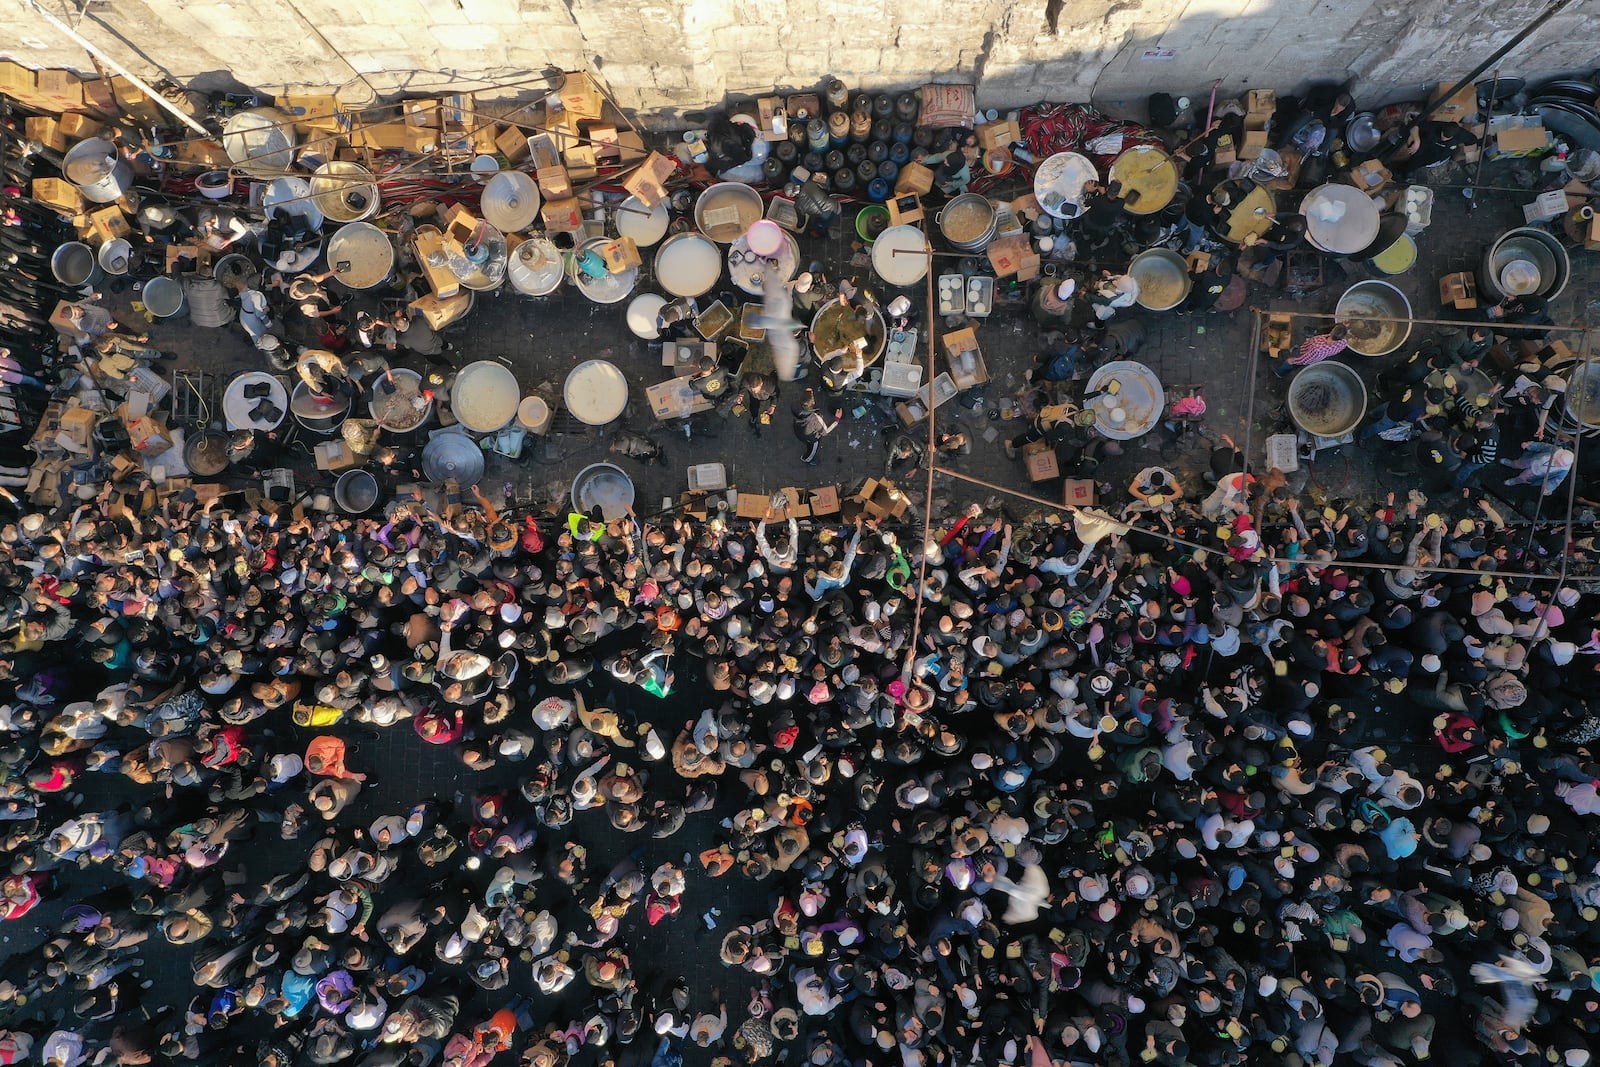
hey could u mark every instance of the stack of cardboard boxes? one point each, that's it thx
(1259, 106)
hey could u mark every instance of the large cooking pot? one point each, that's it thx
(260, 141)
(344, 191)
(355, 491)
(1327, 399)
(1363, 305)
(968, 222)
(1163, 278)
(75, 266)
(97, 168)
(1526, 247)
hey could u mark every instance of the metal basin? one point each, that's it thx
(1366, 302)
(163, 297)
(367, 251)
(453, 457)
(536, 268)
(1163, 278)
(836, 327)
(292, 196)
(1327, 399)
(261, 141)
(397, 411)
(344, 191)
(1521, 246)
(116, 256)
(74, 265)
(604, 486)
(97, 168)
(725, 210)
(355, 491)
(510, 201)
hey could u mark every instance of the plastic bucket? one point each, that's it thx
(871, 221)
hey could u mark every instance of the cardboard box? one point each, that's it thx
(773, 118)
(621, 254)
(148, 436)
(59, 90)
(1005, 255)
(915, 179)
(993, 135)
(99, 99)
(583, 163)
(47, 132)
(394, 135)
(1042, 465)
(315, 112)
(460, 224)
(1078, 492)
(1255, 142)
(208, 153)
(79, 126)
(649, 181)
(1556, 353)
(1460, 290)
(421, 113)
(554, 182)
(562, 216)
(824, 500)
(1369, 177)
(1522, 141)
(78, 425)
(1225, 151)
(458, 111)
(879, 498)
(905, 209)
(630, 147)
(108, 223)
(752, 505)
(958, 341)
(513, 144)
(336, 456)
(16, 80)
(1463, 104)
(1260, 102)
(580, 97)
(59, 194)
(603, 140)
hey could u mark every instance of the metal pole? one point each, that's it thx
(1477, 172)
(1500, 53)
(138, 82)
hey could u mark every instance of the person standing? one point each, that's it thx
(1315, 349)
(810, 427)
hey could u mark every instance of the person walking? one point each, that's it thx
(811, 427)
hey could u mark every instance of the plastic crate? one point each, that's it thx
(952, 294)
(1418, 207)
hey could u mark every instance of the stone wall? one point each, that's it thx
(667, 59)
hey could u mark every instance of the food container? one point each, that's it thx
(952, 294)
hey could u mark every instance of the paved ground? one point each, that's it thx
(543, 338)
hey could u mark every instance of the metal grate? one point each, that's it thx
(194, 397)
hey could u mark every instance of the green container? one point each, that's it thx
(872, 220)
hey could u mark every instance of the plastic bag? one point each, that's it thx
(728, 143)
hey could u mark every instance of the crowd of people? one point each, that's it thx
(1250, 781)
(1223, 774)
